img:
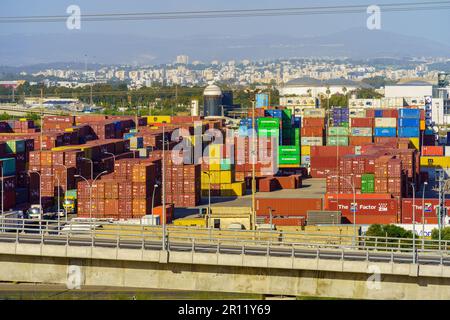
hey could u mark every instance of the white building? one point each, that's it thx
(314, 88)
(409, 89)
(182, 59)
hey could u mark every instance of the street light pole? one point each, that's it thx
(414, 222)
(92, 166)
(423, 214)
(153, 198)
(113, 155)
(163, 188)
(90, 191)
(67, 181)
(270, 217)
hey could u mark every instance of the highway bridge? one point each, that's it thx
(262, 262)
(19, 110)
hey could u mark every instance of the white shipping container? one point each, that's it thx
(305, 160)
(386, 122)
(358, 150)
(313, 113)
(311, 141)
(447, 151)
(361, 132)
(357, 113)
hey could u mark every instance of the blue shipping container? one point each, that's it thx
(409, 122)
(408, 132)
(262, 100)
(8, 166)
(385, 132)
(378, 113)
(409, 113)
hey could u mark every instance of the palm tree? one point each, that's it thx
(328, 96)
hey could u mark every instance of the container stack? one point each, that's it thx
(385, 123)
(408, 123)
(313, 125)
(8, 168)
(219, 176)
(361, 131)
(337, 136)
(340, 117)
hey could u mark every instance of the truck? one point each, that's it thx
(70, 201)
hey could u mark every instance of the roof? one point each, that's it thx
(311, 82)
(212, 90)
(413, 83)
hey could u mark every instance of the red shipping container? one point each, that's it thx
(287, 206)
(311, 132)
(380, 207)
(359, 141)
(430, 212)
(313, 122)
(361, 122)
(332, 151)
(432, 150)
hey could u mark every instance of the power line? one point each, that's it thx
(240, 13)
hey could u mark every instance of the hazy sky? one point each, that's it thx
(428, 24)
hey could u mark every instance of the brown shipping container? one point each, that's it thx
(313, 122)
(287, 206)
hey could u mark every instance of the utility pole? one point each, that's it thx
(42, 111)
(90, 97)
(442, 210)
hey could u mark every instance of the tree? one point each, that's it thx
(389, 230)
(445, 234)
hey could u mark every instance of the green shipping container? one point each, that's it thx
(268, 123)
(8, 166)
(15, 146)
(368, 183)
(289, 150)
(71, 193)
(297, 137)
(337, 141)
(287, 114)
(225, 164)
(338, 131)
(264, 132)
(288, 159)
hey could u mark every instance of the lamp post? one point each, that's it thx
(3, 221)
(253, 93)
(40, 199)
(67, 181)
(423, 214)
(90, 191)
(92, 166)
(153, 198)
(270, 217)
(414, 222)
(209, 195)
(111, 154)
(163, 187)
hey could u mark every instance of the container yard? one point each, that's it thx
(362, 164)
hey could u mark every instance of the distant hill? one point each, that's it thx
(131, 49)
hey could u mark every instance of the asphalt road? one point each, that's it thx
(311, 252)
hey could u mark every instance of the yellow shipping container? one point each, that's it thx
(422, 125)
(215, 151)
(214, 166)
(23, 119)
(66, 148)
(442, 162)
(238, 188)
(415, 142)
(190, 222)
(215, 176)
(158, 119)
(305, 150)
(225, 177)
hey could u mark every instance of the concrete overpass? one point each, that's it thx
(18, 110)
(306, 268)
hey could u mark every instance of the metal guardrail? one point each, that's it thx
(263, 243)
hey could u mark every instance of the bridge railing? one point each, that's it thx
(142, 236)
